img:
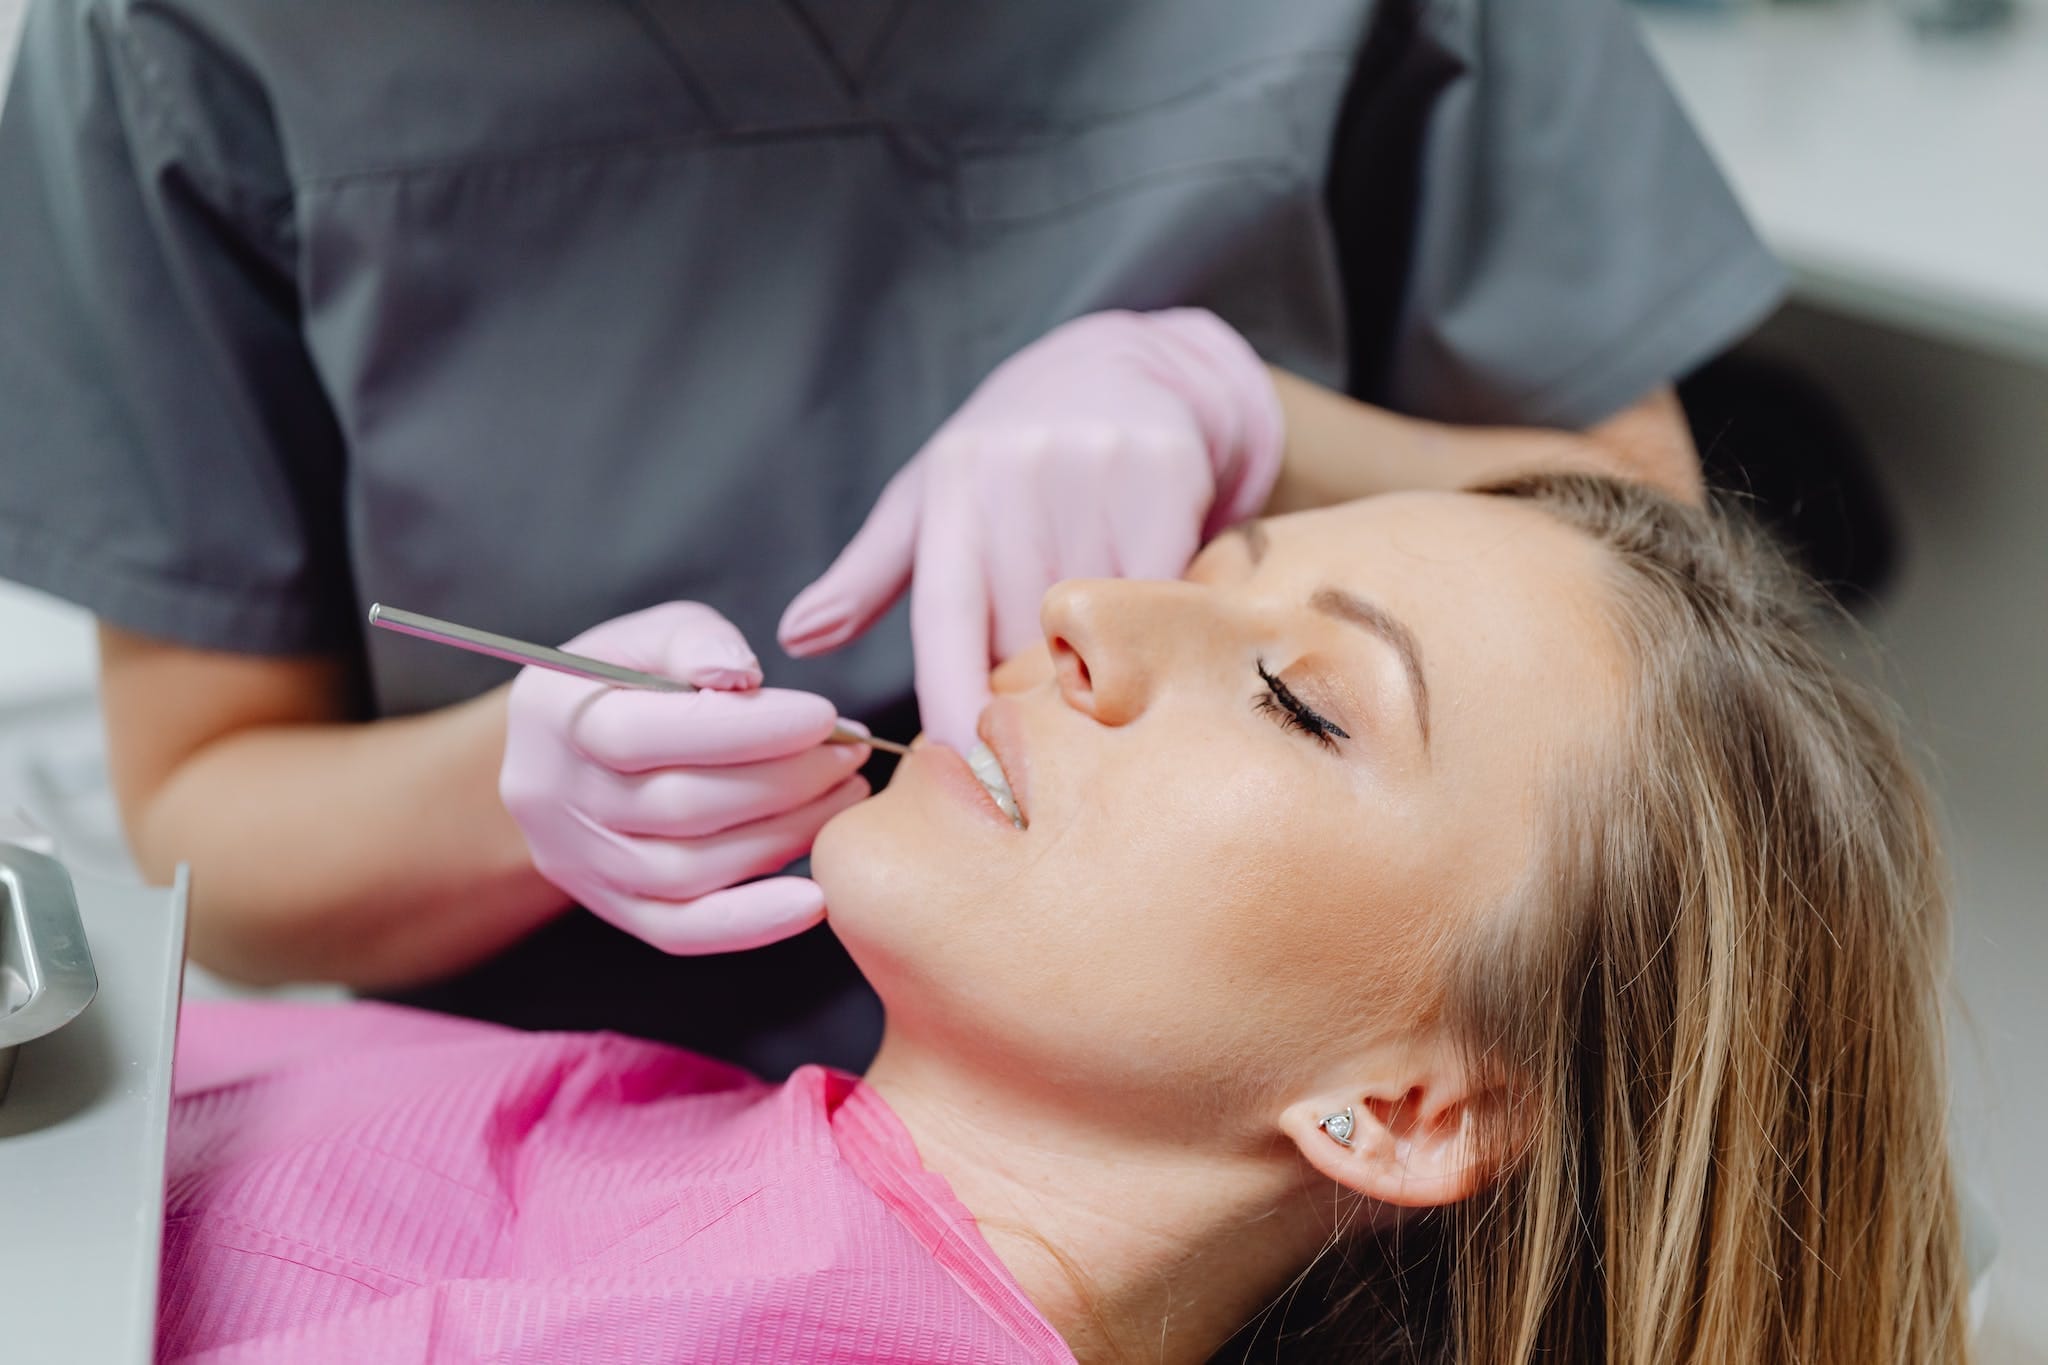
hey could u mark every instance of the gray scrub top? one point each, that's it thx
(531, 312)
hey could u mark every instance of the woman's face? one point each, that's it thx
(1260, 803)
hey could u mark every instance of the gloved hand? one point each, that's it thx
(647, 807)
(1113, 447)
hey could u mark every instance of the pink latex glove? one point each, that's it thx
(647, 807)
(1113, 447)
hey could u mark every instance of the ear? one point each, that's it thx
(1419, 1143)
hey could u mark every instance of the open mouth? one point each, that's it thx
(982, 761)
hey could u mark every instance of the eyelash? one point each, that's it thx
(1291, 713)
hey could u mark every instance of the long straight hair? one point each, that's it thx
(1714, 1012)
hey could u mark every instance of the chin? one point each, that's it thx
(861, 859)
(835, 853)
(889, 896)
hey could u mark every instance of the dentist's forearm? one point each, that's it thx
(1339, 449)
(375, 853)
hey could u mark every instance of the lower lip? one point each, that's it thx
(950, 770)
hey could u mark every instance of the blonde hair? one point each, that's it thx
(1714, 1015)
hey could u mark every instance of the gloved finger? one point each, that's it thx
(681, 869)
(1014, 610)
(635, 732)
(728, 921)
(949, 611)
(1016, 588)
(867, 577)
(1084, 536)
(1162, 549)
(686, 641)
(688, 803)
(1020, 552)
(1159, 540)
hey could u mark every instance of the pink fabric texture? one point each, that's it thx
(368, 1183)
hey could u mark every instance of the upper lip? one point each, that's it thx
(999, 729)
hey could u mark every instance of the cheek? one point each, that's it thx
(1183, 867)
(1306, 905)
(1215, 901)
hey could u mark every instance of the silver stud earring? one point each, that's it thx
(1339, 1125)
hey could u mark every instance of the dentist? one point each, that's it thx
(724, 325)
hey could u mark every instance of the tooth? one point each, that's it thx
(982, 760)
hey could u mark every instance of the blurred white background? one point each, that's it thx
(1906, 181)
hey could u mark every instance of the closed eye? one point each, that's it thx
(1292, 713)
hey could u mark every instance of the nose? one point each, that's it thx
(1110, 640)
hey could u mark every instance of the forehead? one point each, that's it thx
(1468, 537)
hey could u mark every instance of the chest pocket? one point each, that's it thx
(1213, 198)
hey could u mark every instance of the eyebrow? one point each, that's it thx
(1377, 619)
(1349, 607)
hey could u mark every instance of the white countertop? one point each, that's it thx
(82, 1146)
(1903, 179)
(50, 648)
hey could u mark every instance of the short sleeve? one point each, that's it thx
(1575, 245)
(167, 456)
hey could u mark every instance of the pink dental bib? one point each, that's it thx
(367, 1183)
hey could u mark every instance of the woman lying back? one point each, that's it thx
(1478, 927)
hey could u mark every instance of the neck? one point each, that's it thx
(1131, 1248)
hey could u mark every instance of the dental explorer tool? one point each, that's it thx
(575, 665)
